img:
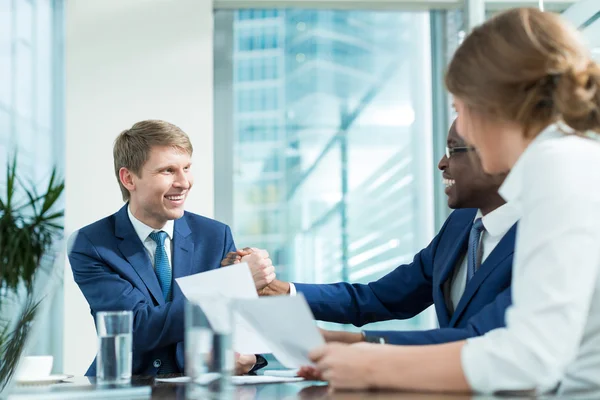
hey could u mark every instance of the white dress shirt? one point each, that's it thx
(496, 224)
(552, 332)
(143, 231)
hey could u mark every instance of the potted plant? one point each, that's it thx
(30, 228)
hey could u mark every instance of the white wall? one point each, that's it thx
(127, 61)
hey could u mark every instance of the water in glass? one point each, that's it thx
(114, 359)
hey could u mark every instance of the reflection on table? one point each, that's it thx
(148, 388)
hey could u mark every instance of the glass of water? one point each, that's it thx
(113, 364)
(209, 356)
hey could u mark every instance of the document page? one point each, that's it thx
(286, 324)
(232, 282)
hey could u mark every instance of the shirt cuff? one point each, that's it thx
(471, 361)
(292, 289)
(261, 362)
(373, 337)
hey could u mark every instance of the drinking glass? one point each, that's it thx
(113, 364)
(209, 356)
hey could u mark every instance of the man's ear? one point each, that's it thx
(126, 178)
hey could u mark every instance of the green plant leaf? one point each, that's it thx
(12, 343)
(29, 228)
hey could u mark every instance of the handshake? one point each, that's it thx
(263, 274)
(261, 268)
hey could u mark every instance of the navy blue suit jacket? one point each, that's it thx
(410, 289)
(113, 270)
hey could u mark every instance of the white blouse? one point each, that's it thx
(552, 333)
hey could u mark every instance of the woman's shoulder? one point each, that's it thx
(557, 146)
(560, 165)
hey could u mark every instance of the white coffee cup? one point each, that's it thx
(34, 367)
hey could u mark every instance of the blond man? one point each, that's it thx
(128, 261)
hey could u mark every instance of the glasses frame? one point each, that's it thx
(460, 149)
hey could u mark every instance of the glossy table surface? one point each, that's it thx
(148, 388)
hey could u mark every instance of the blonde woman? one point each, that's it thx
(525, 90)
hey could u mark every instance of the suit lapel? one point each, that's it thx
(135, 253)
(451, 258)
(183, 251)
(503, 250)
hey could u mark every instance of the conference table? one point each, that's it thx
(149, 388)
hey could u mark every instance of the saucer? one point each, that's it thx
(46, 380)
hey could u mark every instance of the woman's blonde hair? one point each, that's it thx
(529, 67)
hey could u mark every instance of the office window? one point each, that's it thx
(31, 113)
(333, 159)
(496, 6)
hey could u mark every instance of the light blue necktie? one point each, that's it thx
(164, 274)
(473, 253)
(161, 264)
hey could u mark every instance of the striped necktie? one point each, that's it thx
(473, 253)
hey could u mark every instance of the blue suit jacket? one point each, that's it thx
(410, 289)
(113, 270)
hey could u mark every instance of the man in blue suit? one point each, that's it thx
(127, 261)
(465, 271)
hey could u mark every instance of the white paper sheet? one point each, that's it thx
(239, 380)
(178, 379)
(286, 323)
(288, 373)
(232, 282)
(253, 380)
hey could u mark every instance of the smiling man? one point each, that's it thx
(465, 271)
(128, 261)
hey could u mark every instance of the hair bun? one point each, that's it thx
(577, 97)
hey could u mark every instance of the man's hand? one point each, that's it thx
(261, 268)
(341, 336)
(244, 363)
(235, 257)
(275, 288)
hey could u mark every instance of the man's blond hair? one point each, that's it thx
(132, 147)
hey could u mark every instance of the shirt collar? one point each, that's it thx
(513, 184)
(143, 230)
(499, 221)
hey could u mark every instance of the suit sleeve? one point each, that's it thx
(153, 326)
(229, 244)
(401, 294)
(488, 318)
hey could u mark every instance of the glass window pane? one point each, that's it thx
(24, 20)
(6, 55)
(43, 154)
(24, 81)
(4, 129)
(333, 155)
(3, 159)
(43, 40)
(30, 106)
(24, 136)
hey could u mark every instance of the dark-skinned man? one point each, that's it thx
(465, 272)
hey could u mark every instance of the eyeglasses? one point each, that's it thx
(452, 150)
